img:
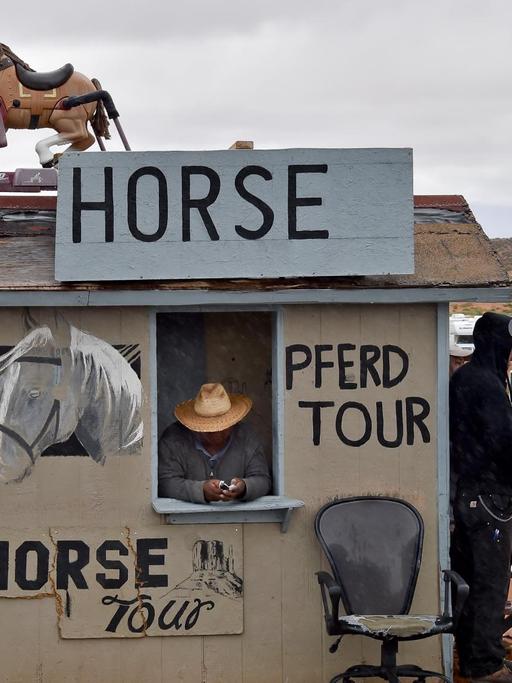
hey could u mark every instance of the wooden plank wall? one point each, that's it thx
(317, 474)
(283, 639)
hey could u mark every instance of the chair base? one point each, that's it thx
(388, 674)
(389, 670)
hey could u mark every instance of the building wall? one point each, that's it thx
(283, 634)
(331, 469)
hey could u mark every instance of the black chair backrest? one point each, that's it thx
(374, 548)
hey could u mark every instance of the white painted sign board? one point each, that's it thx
(234, 214)
(129, 583)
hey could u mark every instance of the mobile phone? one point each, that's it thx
(224, 486)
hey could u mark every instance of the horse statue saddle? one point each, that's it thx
(48, 80)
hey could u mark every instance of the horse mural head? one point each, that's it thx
(49, 391)
(29, 99)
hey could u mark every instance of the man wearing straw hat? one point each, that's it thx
(458, 357)
(209, 455)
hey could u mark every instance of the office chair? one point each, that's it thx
(374, 547)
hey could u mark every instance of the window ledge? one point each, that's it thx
(264, 509)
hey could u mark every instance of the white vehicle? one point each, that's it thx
(461, 330)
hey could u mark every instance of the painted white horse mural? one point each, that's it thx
(60, 381)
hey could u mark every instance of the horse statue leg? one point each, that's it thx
(43, 149)
(71, 130)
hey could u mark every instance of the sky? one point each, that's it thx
(199, 74)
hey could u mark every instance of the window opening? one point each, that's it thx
(237, 349)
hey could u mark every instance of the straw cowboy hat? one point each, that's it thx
(213, 409)
(459, 352)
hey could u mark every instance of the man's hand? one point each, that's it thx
(237, 490)
(212, 490)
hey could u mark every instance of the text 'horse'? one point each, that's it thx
(49, 392)
(64, 100)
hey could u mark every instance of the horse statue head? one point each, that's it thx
(7, 54)
(64, 100)
(59, 380)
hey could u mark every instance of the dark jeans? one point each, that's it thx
(481, 554)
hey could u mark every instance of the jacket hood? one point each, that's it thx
(493, 343)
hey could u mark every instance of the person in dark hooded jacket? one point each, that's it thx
(481, 448)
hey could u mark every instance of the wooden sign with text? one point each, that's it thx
(234, 214)
(122, 583)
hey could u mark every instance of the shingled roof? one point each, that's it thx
(451, 250)
(503, 248)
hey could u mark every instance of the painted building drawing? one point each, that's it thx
(213, 570)
(60, 382)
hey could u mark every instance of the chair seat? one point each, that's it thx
(401, 626)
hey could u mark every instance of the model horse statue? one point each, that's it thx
(64, 100)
